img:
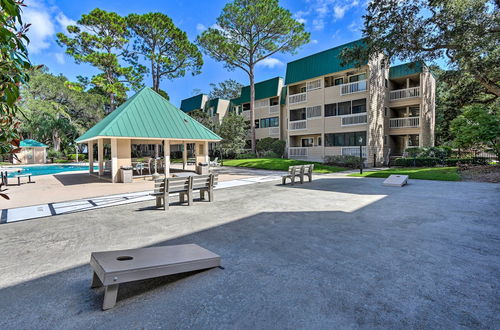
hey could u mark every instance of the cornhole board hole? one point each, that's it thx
(395, 180)
(114, 267)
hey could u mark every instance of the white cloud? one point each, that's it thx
(200, 27)
(270, 63)
(314, 41)
(319, 12)
(64, 21)
(302, 20)
(60, 58)
(339, 11)
(42, 29)
(318, 24)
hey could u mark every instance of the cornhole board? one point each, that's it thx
(114, 267)
(395, 180)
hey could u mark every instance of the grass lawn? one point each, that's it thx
(421, 173)
(279, 164)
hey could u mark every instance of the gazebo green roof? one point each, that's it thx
(28, 143)
(148, 115)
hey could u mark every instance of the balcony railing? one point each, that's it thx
(355, 119)
(274, 109)
(298, 124)
(354, 87)
(297, 98)
(407, 122)
(297, 152)
(274, 131)
(405, 93)
(353, 151)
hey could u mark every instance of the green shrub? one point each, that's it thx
(264, 145)
(54, 154)
(278, 147)
(468, 161)
(271, 154)
(343, 161)
(441, 152)
(418, 162)
(246, 156)
(81, 157)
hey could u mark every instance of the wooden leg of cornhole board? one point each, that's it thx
(96, 282)
(110, 293)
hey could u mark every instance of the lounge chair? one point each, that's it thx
(215, 162)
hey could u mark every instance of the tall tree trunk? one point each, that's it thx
(56, 140)
(111, 102)
(252, 113)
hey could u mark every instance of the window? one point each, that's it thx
(269, 122)
(413, 140)
(328, 81)
(332, 81)
(344, 108)
(298, 114)
(307, 142)
(313, 111)
(256, 123)
(359, 106)
(338, 81)
(303, 89)
(357, 77)
(386, 112)
(345, 139)
(274, 101)
(330, 109)
(246, 106)
(414, 111)
(319, 141)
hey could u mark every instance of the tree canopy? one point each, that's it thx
(165, 46)
(227, 89)
(99, 38)
(464, 32)
(249, 31)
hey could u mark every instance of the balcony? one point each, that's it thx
(297, 98)
(273, 131)
(353, 151)
(297, 125)
(354, 87)
(297, 152)
(354, 119)
(408, 122)
(405, 93)
(274, 109)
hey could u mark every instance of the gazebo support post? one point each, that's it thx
(114, 160)
(100, 155)
(184, 155)
(205, 152)
(166, 157)
(90, 149)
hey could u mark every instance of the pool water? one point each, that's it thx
(52, 169)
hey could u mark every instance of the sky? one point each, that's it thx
(330, 22)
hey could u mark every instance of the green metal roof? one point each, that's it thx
(148, 115)
(283, 95)
(192, 103)
(212, 103)
(318, 64)
(405, 69)
(263, 90)
(32, 143)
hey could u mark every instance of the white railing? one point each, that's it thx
(297, 98)
(312, 112)
(404, 122)
(297, 152)
(274, 109)
(246, 113)
(261, 104)
(405, 93)
(274, 131)
(353, 151)
(354, 87)
(298, 124)
(312, 85)
(354, 119)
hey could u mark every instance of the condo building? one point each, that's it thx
(326, 108)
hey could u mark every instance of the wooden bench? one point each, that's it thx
(164, 187)
(293, 172)
(19, 176)
(205, 184)
(308, 171)
(111, 268)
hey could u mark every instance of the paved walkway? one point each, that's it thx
(337, 253)
(7, 215)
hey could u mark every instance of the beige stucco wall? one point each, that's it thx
(33, 155)
(120, 156)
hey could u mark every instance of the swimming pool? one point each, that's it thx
(50, 169)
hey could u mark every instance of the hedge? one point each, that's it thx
(343, 161)
(434, 161)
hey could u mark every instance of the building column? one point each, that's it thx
(206, 152)
(166, 157)
(114, 161)
(100, 155)
(184, 155)
(90, 150)
(197, 153)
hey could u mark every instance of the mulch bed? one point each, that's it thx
(480, 173)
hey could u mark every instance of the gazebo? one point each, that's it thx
(145, 118)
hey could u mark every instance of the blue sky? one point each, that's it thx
(330, 22)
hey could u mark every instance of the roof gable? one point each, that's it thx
(406, 69)
(148, 115)
(192, 103)
(319, 64)
(263, 90)
(29, 143)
